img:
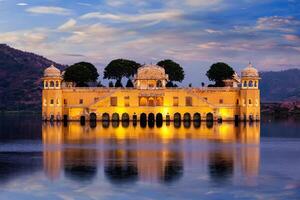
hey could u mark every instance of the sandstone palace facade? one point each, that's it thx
(150, 99)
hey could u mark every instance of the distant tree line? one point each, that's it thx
(83, 73)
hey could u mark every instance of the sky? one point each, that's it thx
(194, 33)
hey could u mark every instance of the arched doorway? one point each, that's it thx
(186, 117)
(197, 117)
(105, 117)
(143, 117)
(65, 118)
(159, 120)
(125, 117)
(93, 117)
(159, 117)
(82, 120)
(177, 117)
(159, 84)
(151, 117)
(115, 117)
(209, 117)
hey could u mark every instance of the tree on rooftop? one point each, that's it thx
(81, 73)
(219, 72)
(129, 83)
(119, 68)
(118, 83)
(173, 69)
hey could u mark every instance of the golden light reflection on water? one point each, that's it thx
(130, 153)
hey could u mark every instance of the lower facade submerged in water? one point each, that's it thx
(149, 99)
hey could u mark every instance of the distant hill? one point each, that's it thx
(280, 86)
(20, 84)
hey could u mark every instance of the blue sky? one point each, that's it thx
(195, 33)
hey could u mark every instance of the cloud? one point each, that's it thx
(285, 24)
(22, 4)
(68, 25)
(292, 38)
(84, 4)
(202, 3)
(166, 15)
(49, 10)
(115, 3)
(25, 37)
(94, 34)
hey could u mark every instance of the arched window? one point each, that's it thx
(250, 83)
(143, 101)
(151, 101)
(245, 83)
(46, 84)
(51, 83)
(249, 101)
(255, 84)
(56, 84)
(159, 84)
(159, 101)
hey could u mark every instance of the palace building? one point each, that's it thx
(151, 100)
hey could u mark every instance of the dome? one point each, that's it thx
(250, 71)
(52, 72)
(151, 72)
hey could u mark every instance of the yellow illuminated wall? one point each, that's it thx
(225, 103)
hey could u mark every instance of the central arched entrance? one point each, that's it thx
(93, 117)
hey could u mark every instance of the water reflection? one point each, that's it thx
(124, 152)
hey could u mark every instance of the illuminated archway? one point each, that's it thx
(105, 117)
(197, 117)
(143, 117)
(209, 117)
(143, 101)
(151, 117)
(159, 119)
(187, 117)
(159, 101)
(82, 120)
(93, 117)
(177, 117)
(51, 83)
(115, 117)
(151, 101)
(125, 117)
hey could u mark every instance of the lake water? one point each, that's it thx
(122, 161)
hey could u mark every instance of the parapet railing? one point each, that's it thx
(154, 89)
